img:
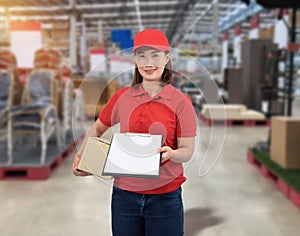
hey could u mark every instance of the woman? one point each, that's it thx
(151, 105)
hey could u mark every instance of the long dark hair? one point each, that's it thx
(165, 78)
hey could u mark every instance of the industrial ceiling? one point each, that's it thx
(178, 19)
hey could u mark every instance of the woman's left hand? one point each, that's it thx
(167, 153)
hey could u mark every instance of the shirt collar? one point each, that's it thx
(167, 92)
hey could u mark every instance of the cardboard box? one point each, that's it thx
(266, 33)
(285, 136)
(59, 44)
(60, 34)
(92, 91)
(297, 18)
(99, 45)
(94, 156)
(61, 25)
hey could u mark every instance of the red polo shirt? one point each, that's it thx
(169, 113)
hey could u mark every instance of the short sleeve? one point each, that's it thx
(109, 116)
(186, 123)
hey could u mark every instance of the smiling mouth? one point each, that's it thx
(149, 72)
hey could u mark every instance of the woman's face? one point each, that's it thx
(151, 63)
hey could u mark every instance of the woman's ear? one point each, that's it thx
(167, 58)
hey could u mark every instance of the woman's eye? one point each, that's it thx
(155, 55)
(141, 56)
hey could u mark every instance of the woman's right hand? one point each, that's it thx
(75, 166)
(96, 131)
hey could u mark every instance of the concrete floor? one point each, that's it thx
(233, 200)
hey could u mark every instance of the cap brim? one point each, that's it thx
(158, 47)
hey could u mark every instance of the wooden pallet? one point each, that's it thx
(280, 184)
(245, 123)
(41, 172)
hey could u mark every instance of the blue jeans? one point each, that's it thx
(136, 214)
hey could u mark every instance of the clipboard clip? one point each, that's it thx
(138, 134)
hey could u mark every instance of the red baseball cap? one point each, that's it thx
(151, 38)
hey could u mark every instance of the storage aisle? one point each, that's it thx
(237, 51)
(234, 199)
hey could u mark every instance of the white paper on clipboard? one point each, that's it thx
(133, 155)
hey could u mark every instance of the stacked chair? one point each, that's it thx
(42, 107)
(8, 65)
(38, 114)
(50, 59)
(41, 110)
(10, 88)
(6, 98)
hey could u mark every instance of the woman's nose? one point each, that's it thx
(149, 61)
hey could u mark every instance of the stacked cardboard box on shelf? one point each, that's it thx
(59, 44)
(60, 34)
(285, 136)
(297, 18)
(61, 25)
(96, 93)
(267, 33)
(56, 35)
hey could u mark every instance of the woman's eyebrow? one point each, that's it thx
(153, 52)
(156, 51)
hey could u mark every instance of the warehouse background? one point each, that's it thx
(239, 61)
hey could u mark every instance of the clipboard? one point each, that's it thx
(133, 155)
(93, 157)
